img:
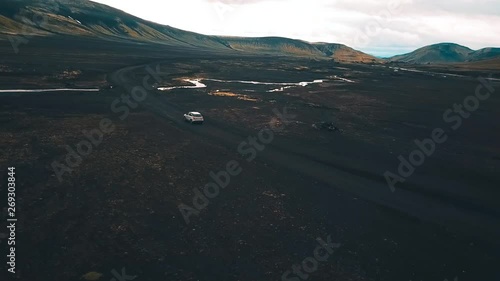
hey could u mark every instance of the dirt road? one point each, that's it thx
(354, 169)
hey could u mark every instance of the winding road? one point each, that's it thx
(356, 169)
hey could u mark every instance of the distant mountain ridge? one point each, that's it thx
(446, 53)
(86, 18)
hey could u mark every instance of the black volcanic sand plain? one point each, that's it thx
(119, 208)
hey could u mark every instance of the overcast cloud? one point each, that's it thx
(377, 27)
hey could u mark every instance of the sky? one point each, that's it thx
(378, 27)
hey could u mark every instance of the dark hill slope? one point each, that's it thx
(86, 18)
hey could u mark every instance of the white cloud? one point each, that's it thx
(392, 26)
